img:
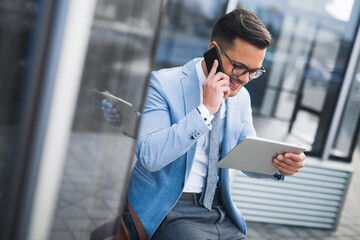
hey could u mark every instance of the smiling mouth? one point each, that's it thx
(235, 84)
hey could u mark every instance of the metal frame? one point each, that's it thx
(349, 75)
(16, 203)
(315, 175)
(160, 24)
(66, 59)
(346, 189)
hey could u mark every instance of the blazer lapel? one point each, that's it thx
(191, 91)
(190, 87)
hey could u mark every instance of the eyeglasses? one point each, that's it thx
(240, 70)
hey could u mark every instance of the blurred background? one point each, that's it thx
(64, 170)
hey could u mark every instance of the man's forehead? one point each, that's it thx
(246, 54)
(247, 62)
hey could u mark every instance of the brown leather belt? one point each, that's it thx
(187, 196)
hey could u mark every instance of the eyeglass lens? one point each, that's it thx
(239, 71)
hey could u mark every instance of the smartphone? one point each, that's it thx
(210, 57)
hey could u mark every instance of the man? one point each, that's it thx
(170, 178)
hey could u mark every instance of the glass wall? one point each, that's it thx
(187, 30)
(18, 20)
(349, 127)
(306, 64)
(99, 156)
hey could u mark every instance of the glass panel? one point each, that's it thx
(17, 21)
(100, 156)
(305, 66)
(187, 30)
(348, 130)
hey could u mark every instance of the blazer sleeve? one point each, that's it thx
(161, 141)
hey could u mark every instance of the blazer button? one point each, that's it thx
(195, 135)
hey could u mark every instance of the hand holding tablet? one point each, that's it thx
(257, 154)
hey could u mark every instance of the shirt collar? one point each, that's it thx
(200, 72)
(201, 76)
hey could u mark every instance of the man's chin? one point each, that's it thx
(233, 93)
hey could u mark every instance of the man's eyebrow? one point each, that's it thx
(239, 63)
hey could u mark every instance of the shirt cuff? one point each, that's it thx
(279, 176)
(205, 114)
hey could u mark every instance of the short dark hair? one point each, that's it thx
(243, 24)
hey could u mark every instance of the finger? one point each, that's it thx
(222, 82)
(213, 69)
(221, 76)
(110, 110)
(113, 121)
(225, 90)
(216, 80)
(215, 84)
(295, 156)
(290, 161)
(106, 103)
(288, 164)
(282, 166)
(227, 93)
(285, 172)
(112, 116)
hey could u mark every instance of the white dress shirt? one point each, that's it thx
(196, 181)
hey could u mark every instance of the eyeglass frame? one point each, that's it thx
(247, 70)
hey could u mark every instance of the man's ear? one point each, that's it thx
(213, 44)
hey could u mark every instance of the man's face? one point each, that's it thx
(245, 54)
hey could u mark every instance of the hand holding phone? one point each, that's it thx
(210, 56)
(216, 86)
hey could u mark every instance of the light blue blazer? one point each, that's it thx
(169, 129)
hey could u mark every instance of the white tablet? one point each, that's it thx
(256, 155)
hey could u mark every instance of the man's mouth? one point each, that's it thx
(235, 84)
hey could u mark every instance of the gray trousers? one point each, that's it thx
(189, 220)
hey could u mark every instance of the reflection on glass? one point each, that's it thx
(350, 122)
(187, 30)
(99, 155)
(17, 23)
(304, 66)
